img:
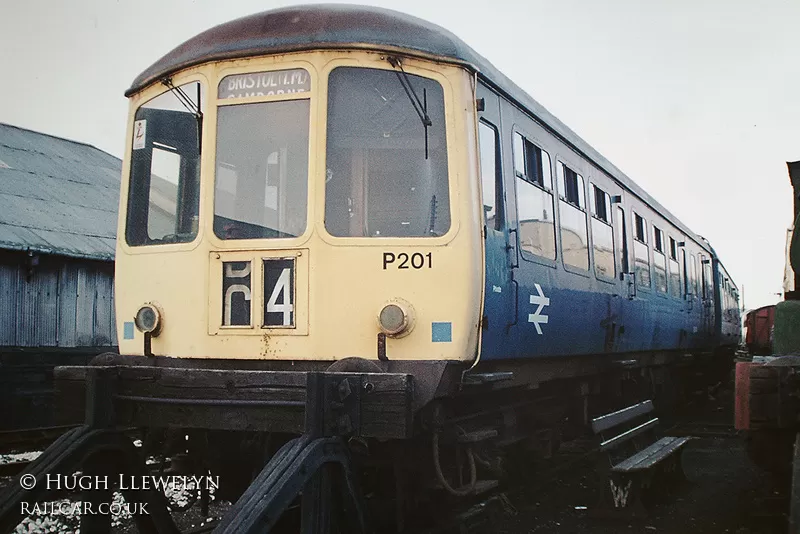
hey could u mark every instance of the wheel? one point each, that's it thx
(353, 364)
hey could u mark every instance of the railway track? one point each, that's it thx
(14, 442)
(28, 439)
(573, 460)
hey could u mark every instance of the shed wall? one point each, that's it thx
(61, 302)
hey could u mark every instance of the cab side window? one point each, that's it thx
(489, 145)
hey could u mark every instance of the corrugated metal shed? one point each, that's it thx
(57, 196)
(61, 302)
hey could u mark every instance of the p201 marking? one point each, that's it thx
(417, 260)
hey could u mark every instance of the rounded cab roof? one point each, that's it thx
(310, 27)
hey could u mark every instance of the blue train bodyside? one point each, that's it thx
(664, 292)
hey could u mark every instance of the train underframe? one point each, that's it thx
(400, 437)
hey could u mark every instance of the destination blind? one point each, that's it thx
(268, 83)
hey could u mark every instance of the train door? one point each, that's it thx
(499, 294)
(708, 296)
(609, 254)
(628, 285)
(686, 289)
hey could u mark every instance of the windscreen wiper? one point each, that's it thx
(193, 108)
(421, 107)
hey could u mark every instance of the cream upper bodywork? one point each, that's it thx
(341, 283)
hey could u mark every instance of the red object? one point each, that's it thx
(759, 324)
(741, 408)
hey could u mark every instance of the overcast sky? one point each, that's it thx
(697, 100)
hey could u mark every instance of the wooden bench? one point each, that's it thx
(634, 464)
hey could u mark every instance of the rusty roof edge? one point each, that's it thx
(319, 26)
(141, 81)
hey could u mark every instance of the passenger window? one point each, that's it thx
(659, 260)
(570, 185)
(601, 203)
(703, 275)
(674, 270)
(537, 234)
(693, 265)
(641, 253)
(531, 163)
(489, 145)
(574, 236)
(707, 283)
(641, 229)
(658, 239)
(602, 232)
(622, 234)
(686, 290)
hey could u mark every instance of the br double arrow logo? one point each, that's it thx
(538, 318)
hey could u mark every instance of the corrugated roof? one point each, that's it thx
(57, 196)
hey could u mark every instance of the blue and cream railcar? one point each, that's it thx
(283, 189)
(350, 189)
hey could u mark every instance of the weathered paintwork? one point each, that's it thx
(341, 282)
(501, 303)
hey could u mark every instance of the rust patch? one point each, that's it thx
(265, 348)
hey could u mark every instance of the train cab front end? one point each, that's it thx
(304, 207)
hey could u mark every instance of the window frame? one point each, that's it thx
(524, 254)
(268, 242)
(378, 63)
(608, 207)
(674, 262)
(145, 97)
(499, 205)
(561, 181)
(312, 95)
(642, 240)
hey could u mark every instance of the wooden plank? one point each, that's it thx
(652, 455)
(264, 419)
(625, 436)
(238, 399)
(619, 417)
